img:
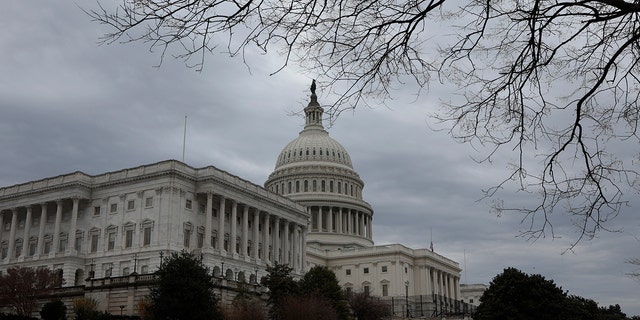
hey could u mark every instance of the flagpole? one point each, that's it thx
(184, 137)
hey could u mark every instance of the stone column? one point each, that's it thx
(339, 220)
(12, 233)
(349, 222)
(256, 235)
(56, 228)
(1, 224)
(208, 221)
(330, 220)
(74, 226)
(276, 241)
(234, 227)
(265, 240)
(221, 211)
(370, 228)
(295, 248)
(43, 221)
(245, 231)
(303, 250)
(320, 214)
(361, 223)
(285, 254)
(27, 229)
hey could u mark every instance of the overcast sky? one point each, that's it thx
(68, 104)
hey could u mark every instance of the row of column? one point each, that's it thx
(444, 284)
(341, 220)
(13, 213)
(293, 240)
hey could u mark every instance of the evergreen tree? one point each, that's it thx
(281, 285)
(517, 295)
(184, 290)
(321, 282)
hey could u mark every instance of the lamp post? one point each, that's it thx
(135, 263)
(256, 281)
(121, 310)
(222, 275)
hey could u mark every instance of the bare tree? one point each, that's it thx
(553, 80)
(20, 287)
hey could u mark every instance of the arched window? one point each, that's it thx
(306, 186)
(297, 186)
(322, 186)
(331, 186)
(289, 187)
(315, 186)
(339, 187)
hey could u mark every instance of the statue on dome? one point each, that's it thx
(313, 86)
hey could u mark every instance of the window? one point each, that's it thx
(144, 269)
(125, 271)
(470, 300)
(188, 204)
(200, 239)
(330, 186)
(147, 236)
(18, 248)
(21, 224)
(114, 208)
(128, 238)
(366, 270)
(148, 202)
(187, 237)
(94, 242)
(62, 245)
(203, 208)
(385, 290)
(366, 290)
(4, 249)
(96, 211)
(406, 270)
(339, 187)
(384, 268)
(226, 242)
(306, 186)
(108, 268)
(47, 244)
(111, 239)
(289, 187)
(349, 290)
(348, 272)
(322, 186)
(33, 245)
(79, 237)
(7, 226)
(297, 186)
(35, 221)
(315, 185)
(131, 205)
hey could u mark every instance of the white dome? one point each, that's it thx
(313, 145)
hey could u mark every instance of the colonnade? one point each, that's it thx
(340, 220)
(443, 283)
(12, 250)
(273, 238)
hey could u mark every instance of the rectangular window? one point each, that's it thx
(348, 272)
(148, 202)
(96, 211)
(114, 208)
(187, 238)
(200, 240)
(147, 236)
(111, 241)
(79, 244)
(5, 252)
(62, 245)
(366, 270)
(94, 243)
(131, 205)
(47, 247)
(385, 290)
(7, 226)
(35, 222)
(128, 239)
(32, 248)
(384, 268)
(366, 290)
(203, 208)
(188, 204)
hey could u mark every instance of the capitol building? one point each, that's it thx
(106, 234)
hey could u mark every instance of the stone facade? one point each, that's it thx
(121, 223)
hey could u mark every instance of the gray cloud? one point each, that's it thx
(67, 104)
